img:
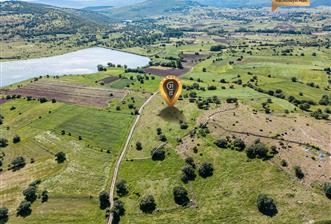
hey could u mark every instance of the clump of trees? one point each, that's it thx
(258, 150)
(147, 204)
(318, 114)
(266, 205)
(239, 144)
(206, 170)
(104, 200)
(118, 210)
(30, 193)
(60, 157)
(122, 188)
(181, 195)
(24, 209)
(218, 47)
(158, 154)
(221, 143)
(188, 173)
(17, 164)
(101, 68)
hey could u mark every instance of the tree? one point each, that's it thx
(206, 170)
(298, 172)
(158, 154)
(221, 143)
(188, 173)
(118, 210)
(3, 142)
(239, 144)
(139, 146)
(18, 163)
(266, 205)
(3, 215)
(30, 193)
(104, 200)
(44, 196)
(147, 204)
(327, 190)
(162, 138)
(181, 195)
(24, 209)
(122, 188)
(183, 125)
(16, 139)
(60, 157)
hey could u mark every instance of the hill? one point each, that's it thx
(252, 3)
(151, 8)
(27, 20)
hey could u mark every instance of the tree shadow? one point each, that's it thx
(172, 114)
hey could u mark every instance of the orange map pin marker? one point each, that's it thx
(171, 88)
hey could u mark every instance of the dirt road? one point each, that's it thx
(120, 159)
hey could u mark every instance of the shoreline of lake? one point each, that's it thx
(78, 62)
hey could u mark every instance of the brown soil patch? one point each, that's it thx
(165, 72)
(68, 93)
(109, 79)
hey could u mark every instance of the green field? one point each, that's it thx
(89, 161)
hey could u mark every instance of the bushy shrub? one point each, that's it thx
(104, 200)
(221, 143)
(298, 172)
(147, 204)
(266, 205)
(188, 173)
(118, 210)
(18, 163)
(181, 195)
(60, 157)
(257, 150)
(122, 188)
(206, 170)
(239, 144)
(327, 190)
(24, 209)
(30, 193)
(3, 215)
(158, 154)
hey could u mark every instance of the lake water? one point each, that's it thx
(78, 62)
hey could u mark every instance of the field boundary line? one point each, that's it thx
(121, 157)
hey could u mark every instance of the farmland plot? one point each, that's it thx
(68, 93)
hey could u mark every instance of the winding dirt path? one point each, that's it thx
(120, 159)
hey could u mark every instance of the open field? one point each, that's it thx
(247, 73)
(77, 181)
(159, 177)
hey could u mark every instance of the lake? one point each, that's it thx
(79, 62)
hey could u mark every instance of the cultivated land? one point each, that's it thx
(268, 78)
